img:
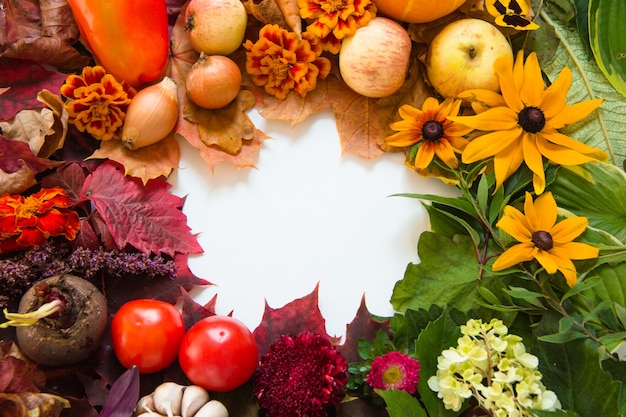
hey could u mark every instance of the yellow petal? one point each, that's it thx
(514, 255)
(409, 112)
(507, 161)
(482, 100)
(561, 155)
(425, 155)
(574, 113)
(548, 261)
(517, 229)
(534, 161)
(563, 140)
(491, 144)
(497, 118)
(578, 250)
(403, 139)
(510, 80)
(445, 152)
(541, 213)
(568, 229)
(554, 97)
(531, 91)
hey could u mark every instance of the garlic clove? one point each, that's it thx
(145, 405)
(167, 398)
(194, 397)
(151, 115)
(213, 408)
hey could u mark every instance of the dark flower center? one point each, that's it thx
(542, 240)
(531, 119)
(432, 130)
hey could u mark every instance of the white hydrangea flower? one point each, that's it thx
(495, 368)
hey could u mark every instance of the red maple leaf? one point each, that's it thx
(363, 326)
(295, 317)
(145, 217)
(26, 79)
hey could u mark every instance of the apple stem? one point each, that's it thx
(472, 52)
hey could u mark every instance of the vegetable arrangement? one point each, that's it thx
(533, 268)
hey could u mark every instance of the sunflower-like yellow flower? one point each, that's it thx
(523, 122)
(280, 61)
(540, 237)
(333, 20)
(432, 130)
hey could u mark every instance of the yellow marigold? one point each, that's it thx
(430, 131)
(540, 237)
(282, 62)
(333, 20)
(523, 122)
(97, 102)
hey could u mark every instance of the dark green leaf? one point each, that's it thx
(401, 404)
(608, 43)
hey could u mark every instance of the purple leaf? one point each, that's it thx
(123, 396)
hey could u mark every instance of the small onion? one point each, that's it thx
(213, 81)
(151, 115)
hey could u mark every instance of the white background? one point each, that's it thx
(306, 215)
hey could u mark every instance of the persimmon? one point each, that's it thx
(417, 11)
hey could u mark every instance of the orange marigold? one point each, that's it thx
(26, 222)
(282, 62)
(333, 20)
(98, 102)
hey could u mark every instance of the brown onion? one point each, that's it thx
(213, 81)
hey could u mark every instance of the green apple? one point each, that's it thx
(462, 57)
(216, 27)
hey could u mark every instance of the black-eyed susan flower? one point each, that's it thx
(540, 237)
(523, 123)
(430, 129)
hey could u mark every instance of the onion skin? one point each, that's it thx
(375, 60)
(48, 345)
(213, 81)
(151, 115)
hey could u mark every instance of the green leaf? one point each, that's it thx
(608, 43)
(596, 191)
(572, 370)
(603, 128)
(401, 404)
(448, 272)
(617, 369)
(436, 337)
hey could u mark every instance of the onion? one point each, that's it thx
(213, 81)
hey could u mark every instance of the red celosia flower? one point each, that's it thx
(394, 370)
(26, 222)
(300, 376)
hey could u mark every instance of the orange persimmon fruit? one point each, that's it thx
(417, 11)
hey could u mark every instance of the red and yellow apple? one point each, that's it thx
(216, 27)
(462, 57)
(374, 61)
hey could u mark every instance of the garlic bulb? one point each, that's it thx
(173, 400)
(151, 115)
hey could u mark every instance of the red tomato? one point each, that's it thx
(147, 334)
(218, 353)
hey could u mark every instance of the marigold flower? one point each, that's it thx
(333, 20)
(543, 239)
(394, 370)
(26, 222)
(300, 376)
(282, 62)
(98, 102)
(523, 122)
(431, 131)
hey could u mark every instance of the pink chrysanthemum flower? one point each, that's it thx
(300, 376)
(394, 370)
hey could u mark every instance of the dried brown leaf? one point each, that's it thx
(60, 126)
(266, 11)
(226, 127)
(30, 126)
(291, 12)
(18, 181)
(150, 162)
(29, 404)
